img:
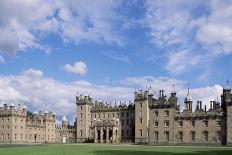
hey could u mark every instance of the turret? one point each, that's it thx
(188, 102)
(64, 122)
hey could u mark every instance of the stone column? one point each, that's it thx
(95, 135)
(107, 135)
(101, 135)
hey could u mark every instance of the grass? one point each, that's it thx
(93, 149)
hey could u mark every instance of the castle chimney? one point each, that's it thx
(205, 108)
(160, 93)
(210, 104)
(201, 105)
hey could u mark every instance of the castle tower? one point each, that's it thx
(141, 116)
(64, 122)
(84, 106)
(226, 104)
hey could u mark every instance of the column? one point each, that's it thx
(101, 135)
(113, 135)
(95, 135)
(107, 135)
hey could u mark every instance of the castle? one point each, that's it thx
(17, 125)
(148, 120)
(155, 120)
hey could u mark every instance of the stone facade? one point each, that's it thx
(17, 125)
(155, 120)
(104, 123)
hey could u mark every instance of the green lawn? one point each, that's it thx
(92, 149)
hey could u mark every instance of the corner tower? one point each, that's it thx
(226, 103)
(141, 116)
(84, 106)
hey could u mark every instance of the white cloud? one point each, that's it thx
(191, 31)
(22, 22)
(179, 62)
(215, 33)
(78, 67)
(39, 92)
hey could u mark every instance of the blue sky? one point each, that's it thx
(110, 47)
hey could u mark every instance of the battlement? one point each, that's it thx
(11, 109)
(143, 95)
(109, 107)
(82, 100)
(40, 118)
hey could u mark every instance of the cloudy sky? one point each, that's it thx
(50, 49)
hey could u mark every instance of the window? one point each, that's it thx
(113, 114)
(108, 115)
(127, 114)
(81, 115)
(141, 113)
(180, 123)
(193, 123)
(141, 133)
(122, 133)
(141, 120)
(8, 136)
(127, 122)
(166, 123)
(156, 136)
(2, 127)
(156, 113)
(205, 136)
(205, 122)
(218, 123)
(81, 107)
(3, 120)
(16, 136)
(180, 136)
(127, 132)
(2, 136)
(122, 114)
(192, 136)
(81, 133)
(141, 105)
(122, 122)
(166, 113)
(156, 124)
(166, 134)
